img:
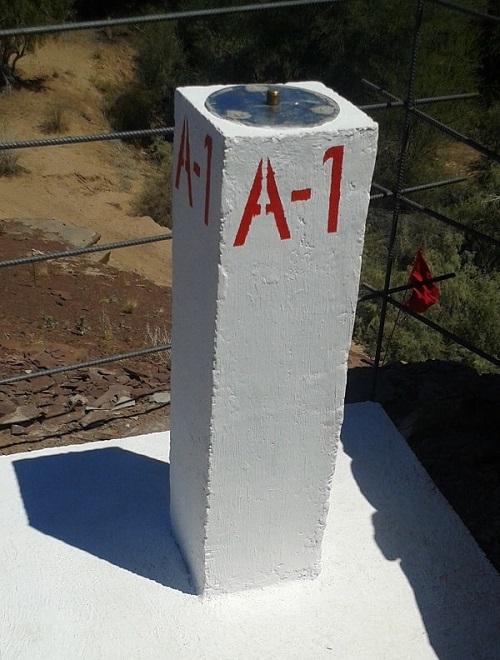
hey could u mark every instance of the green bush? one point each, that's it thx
(131, 110)
(155, 199)
(160, 65)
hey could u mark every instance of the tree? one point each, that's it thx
(160, 65)
(23, 13)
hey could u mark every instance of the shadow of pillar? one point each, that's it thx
(109, 502)
(456, 589)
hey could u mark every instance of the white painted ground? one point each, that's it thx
(88, 568)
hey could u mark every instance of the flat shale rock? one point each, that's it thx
(21, 414)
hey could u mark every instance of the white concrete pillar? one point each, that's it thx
(268, 235)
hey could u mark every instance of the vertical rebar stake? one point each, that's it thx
(403, 150)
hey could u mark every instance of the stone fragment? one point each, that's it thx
(94, 418)
(23, 387)
(95, 378)
(113, 393)
(61, 420)
(108, 434)
(17, 429)
(60, 377)
(43, 360)
(139, 372)
(103, 371)
(35, 432)
(91, 389)
(21, 414)
(43, 398)
(55, 410)
(69, 384)
(142, 391)
(78, 400)
(124, 402)
(155, 384)
(160, 397)
(7, 406)
(42, 383)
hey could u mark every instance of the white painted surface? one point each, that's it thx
(263, 308)
(89, 569)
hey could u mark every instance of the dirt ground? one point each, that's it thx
(68, 311)
(71, 310)
(92, 185)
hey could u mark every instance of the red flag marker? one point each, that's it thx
(424, 296)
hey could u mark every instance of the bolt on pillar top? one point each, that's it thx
(270, 196)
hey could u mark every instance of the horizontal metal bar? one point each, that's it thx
(452, 223)
(166, 131)
(156, 18)
(423, 186)
(83, 365)
(446, 333)
(437, 184)
(379, 293)
(422, 101)
(439, 125)
(74, 252)
(442, 218)
(474, 13)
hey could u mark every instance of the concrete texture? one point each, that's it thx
(90, 569)
(269, 227)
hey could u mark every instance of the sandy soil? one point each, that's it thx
(91, 185)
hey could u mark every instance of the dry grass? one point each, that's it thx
(155, 337)
(130, 305)
(9, 160)
(106, 326)
(55, 120)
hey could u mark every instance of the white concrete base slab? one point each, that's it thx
(88, 567)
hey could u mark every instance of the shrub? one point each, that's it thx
(55, 119)
(131, 110)
(9, 163)
(9, 160)
(155, 199)
(161, 65)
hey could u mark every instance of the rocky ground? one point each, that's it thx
(68, 311)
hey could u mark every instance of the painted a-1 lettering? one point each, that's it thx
(275, 206)
(336, 155)
(253, 208)
(184, 168)
(184, 161)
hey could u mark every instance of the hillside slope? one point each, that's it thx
(91, 185)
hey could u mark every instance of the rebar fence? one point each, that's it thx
(398, 194)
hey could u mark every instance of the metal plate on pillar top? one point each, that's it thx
(272, 105)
